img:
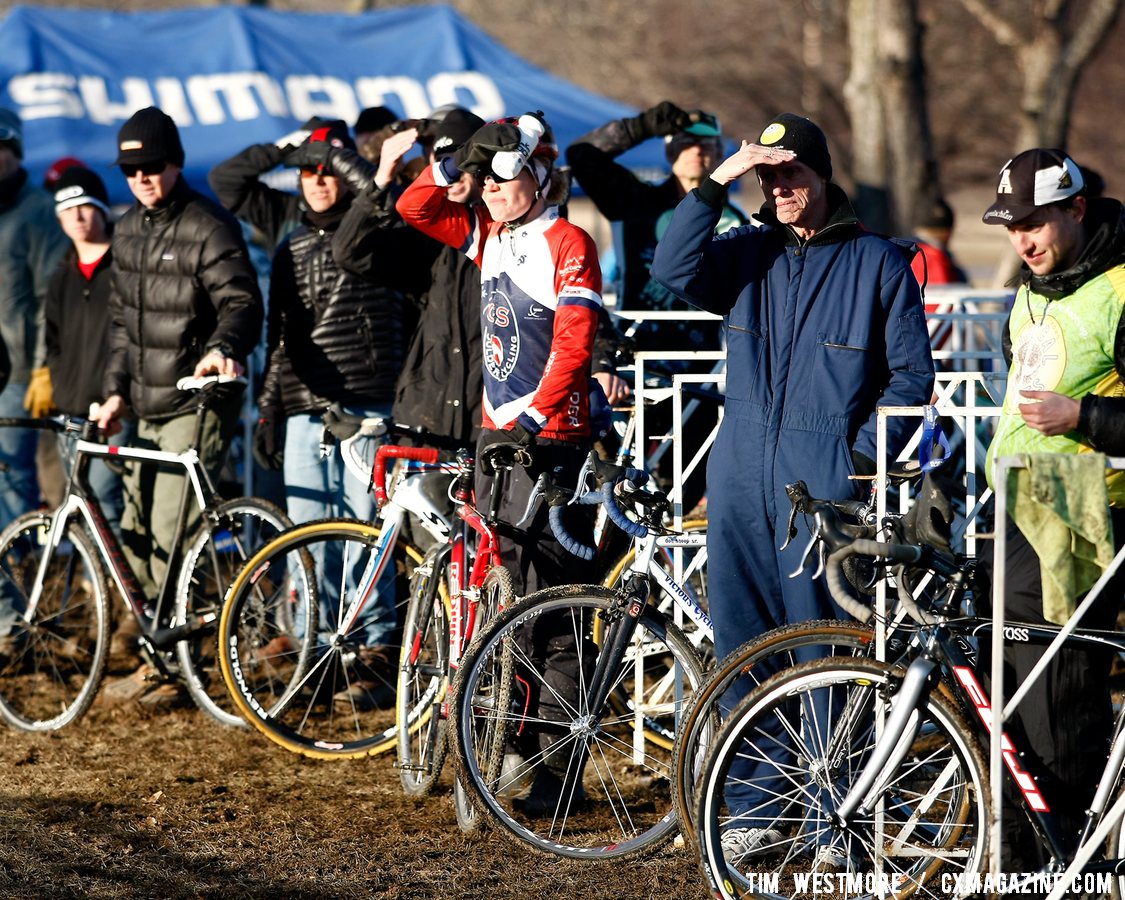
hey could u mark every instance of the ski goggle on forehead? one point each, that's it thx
(8, 134)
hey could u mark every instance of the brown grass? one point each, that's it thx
(172, 806)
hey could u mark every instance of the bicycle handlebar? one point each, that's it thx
(396, 451)
(608, 479)
(844, 540)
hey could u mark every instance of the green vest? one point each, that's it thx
(1065, 346)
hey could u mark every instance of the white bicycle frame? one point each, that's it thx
(667, 694)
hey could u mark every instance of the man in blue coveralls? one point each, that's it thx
(824, 323)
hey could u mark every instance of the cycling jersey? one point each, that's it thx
(540, 297)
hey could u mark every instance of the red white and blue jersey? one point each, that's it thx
(540, 296)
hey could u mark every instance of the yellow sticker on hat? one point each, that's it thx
(772, 134)
(132, 145)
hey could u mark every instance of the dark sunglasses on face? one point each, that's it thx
(149, 168)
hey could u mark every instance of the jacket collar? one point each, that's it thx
(173, 204)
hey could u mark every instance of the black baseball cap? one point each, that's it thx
(1030, 181)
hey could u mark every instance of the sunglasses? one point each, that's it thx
(148, 168)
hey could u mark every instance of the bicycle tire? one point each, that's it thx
(697, 586)
(423, 679)
(772, 652)
(308, 710)
(627, 807)
(819, 718)
(232, 532)
(497, 593)
(52, 665)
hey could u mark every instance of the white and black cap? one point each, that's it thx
(1034, 179)
(78, 186)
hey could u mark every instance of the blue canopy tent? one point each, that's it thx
(235, 76)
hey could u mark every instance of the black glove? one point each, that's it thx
(863, 464)
(427, 129)
(476, 153)
(664, 118)
(269, 440)
(309, 155)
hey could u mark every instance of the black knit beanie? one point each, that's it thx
(803, 137)
(148, 136)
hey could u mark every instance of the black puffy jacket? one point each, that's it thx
(183, 285)
(331, 335)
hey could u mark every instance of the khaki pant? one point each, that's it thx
(153, 493)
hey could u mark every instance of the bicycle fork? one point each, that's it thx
(899, 732)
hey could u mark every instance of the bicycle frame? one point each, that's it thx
(79, 499)
(944, 645)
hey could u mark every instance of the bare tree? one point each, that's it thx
(894, 164)
(1051, 43)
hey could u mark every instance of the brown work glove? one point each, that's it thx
(39, 399)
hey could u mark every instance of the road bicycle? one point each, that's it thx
(461, 585)
(55, 566)
(781, 648)
(534, 700)
(876, 770)
(292, 675)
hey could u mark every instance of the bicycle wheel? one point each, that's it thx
(766, 814)
(423, 677)
(748, 666)
(694, 585)
(53, 658)
(231, 533)
(329, 693)
(552, 771)
(497, 593)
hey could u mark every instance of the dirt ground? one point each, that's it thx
(127, 805)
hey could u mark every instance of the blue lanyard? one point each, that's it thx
(932, 433)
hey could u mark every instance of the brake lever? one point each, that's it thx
(583, 485)
(791, 529)
(327, 442)
(809, 550)
(534, 500)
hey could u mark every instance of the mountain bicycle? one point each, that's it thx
(879, 768)
(516, 723)
(54, 566)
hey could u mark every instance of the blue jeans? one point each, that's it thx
(19, 485)
(318, 488)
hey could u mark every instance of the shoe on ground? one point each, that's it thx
(278, 649)
(515, 776)
(376, 664)
(829, 858)
(365, 696)
(164, 697)
(129, 689)
(550, 796)
(740, 843)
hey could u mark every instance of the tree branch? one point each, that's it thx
(1005, 35)
(1091, 31)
